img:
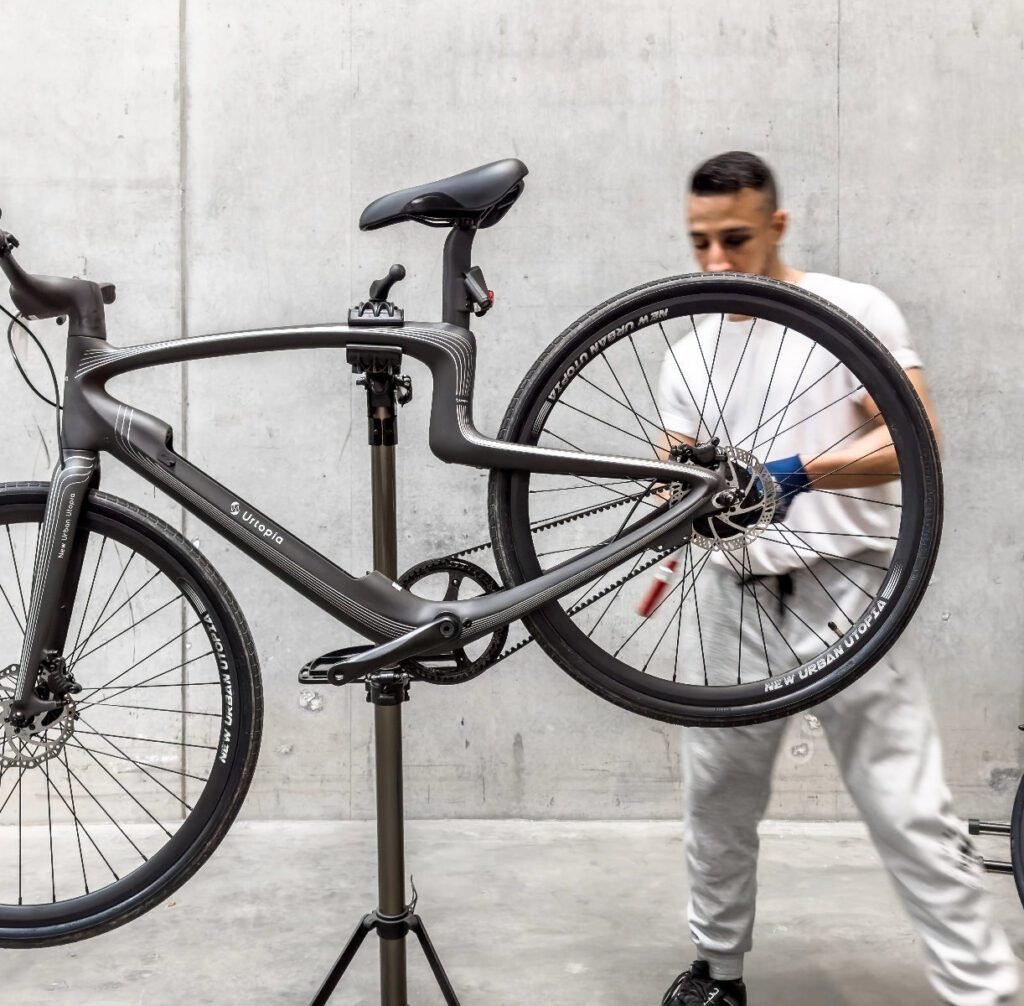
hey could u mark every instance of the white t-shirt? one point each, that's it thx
(775, 393)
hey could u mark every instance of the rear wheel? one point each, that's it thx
(108, 807)
(770, 371)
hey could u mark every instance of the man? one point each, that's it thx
(880, 729)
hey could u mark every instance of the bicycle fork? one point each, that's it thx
(60, 552)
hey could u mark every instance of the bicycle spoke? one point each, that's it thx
(583, 488)
(782, 604)
(78, 834)
(145, 682)
(781, 411)
(49, 825)
(137, 663)
(800, 422)
(860, 499)
(771, 379)
(786, 407)
(20, 899)
(751, 588)
(81, 824)
(615, 596)
(88, 600)
(825, 558)
(760, 622)
(711, 383)
(732, 383)
(604, 422)
(17, 574)
(110, 596)
(148, 740)
(810, 570)
(843, 467)
(141, 764)
(17, 620)
(131, 795)
(696, 608)
(157, 709)
(658, 606)
(114, 614)
(630, 406)
(654, 398)
(830, 555)
(130, 628)
(739, 635)
(108, 815)
(686, 383)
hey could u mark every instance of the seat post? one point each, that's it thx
(458, 254)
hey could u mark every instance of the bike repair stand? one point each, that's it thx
(387, 689)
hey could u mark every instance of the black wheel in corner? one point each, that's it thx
(1016, 838)
(116, 802)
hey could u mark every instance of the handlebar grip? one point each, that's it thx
(40, 297)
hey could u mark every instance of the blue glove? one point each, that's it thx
(791, 479)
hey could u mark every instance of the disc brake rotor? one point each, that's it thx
(754, 493)
(37, 742)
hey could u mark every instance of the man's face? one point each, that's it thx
(734, 232)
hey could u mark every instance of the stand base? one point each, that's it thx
(388, 928)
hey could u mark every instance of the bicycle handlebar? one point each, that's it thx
(39, 297)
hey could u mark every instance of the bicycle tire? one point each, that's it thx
(1016, 838)
(229, 716)
(596, 335)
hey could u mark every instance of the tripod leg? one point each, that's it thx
(416, 926)
(366, 925)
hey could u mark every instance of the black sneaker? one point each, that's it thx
(696, 987)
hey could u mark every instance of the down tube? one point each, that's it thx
(140, 443)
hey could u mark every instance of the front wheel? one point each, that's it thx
(777, 599)
(110, 805)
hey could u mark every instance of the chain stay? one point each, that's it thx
(559, 522)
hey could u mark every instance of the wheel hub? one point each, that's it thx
(745, 507)
(41, 737)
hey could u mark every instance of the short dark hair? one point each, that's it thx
(732, 171)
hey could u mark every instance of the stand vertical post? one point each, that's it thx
(387, 689)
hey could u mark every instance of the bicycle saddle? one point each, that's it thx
(480, 197)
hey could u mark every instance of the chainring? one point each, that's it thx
(456, 666)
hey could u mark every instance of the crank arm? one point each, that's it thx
(442, 631)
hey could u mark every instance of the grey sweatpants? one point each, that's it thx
(883, 736)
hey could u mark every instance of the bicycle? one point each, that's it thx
(584, 498)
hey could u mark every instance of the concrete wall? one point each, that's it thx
(212, 158)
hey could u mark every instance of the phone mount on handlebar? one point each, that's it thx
(378, 310)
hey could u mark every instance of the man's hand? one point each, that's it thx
(791, 478)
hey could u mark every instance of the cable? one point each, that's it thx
(55, 402)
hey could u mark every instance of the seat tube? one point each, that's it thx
(53, 561)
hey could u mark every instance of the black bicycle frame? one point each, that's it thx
(373, 605)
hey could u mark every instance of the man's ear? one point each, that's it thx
(780, 222)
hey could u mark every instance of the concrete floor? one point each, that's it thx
(521, 913)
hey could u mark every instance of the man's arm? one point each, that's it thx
(871, 458)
